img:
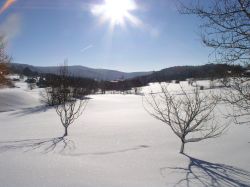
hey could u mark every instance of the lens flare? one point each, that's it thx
(6, 5)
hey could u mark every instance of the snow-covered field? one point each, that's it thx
(115, 143)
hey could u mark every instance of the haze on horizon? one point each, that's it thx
(130, 36)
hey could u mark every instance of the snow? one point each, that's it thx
(115, 143)
(15, 98)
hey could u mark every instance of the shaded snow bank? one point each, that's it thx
(13, 99)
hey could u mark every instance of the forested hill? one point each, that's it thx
(184, 72)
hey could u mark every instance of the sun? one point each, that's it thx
(117, 12)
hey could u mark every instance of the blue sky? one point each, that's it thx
(46, 32)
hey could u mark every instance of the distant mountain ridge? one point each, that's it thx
(81, 71)
(184, 72)
(167, 74)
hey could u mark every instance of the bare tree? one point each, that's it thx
(236, 92)
(71, 102)
(3, 72)
(4, 60)
(69, 111)
(189, 115)
(226, 29)
(68, 99)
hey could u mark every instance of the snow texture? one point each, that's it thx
(115, 143)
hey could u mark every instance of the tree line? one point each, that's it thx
(178, 73)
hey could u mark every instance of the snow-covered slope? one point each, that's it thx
(17, 98)
(115, 143)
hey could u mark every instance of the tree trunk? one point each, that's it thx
(182, 147)
(66, 131)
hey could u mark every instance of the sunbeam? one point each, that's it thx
(117, 13)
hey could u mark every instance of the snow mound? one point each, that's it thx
(13, 99)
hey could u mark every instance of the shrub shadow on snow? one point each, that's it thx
(34, 110)
(46, 145)
(203, 173)
(31, 110)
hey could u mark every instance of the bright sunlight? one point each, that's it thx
(116, 12)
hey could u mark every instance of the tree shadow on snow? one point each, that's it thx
(46, 145)
(31, 110)
(110, 152)
(203, 173)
